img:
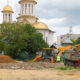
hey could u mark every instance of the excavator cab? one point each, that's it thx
(47, 52)
(49, 55)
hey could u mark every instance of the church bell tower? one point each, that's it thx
(7, 13)
(27, 11)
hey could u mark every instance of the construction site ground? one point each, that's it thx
(36, 71)
(7, 62)
(17, 70)
(30, 66)
(45, 74)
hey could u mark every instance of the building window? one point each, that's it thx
(29, 9)
(44, 34)
(68, 36)
(32, 8)
(61, 37)
(5, 14)
(25, 8)
(5, 17)
(9, 17)
(46, 39)
(25, 5)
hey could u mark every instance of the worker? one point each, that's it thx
(58, 59)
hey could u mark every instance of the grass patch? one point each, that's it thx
(68, 68)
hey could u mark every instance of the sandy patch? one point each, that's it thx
(6, 74)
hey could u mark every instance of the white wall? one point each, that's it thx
(62, 38)
(47, 36)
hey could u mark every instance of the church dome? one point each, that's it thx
(7, 8)
(40, 25)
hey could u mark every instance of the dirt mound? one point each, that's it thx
(6, 59)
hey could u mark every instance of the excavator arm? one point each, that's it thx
(65, 48)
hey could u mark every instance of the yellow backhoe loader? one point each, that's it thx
(50, 54)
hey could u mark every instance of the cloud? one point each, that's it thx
(52, 21)
(59, 15)
(54, 24)
(58, 9)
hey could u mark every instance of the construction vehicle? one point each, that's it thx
(72, 56)
(50, 54)
(47, 55)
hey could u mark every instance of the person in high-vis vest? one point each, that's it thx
(58, 59)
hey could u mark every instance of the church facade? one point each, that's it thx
(27, 16)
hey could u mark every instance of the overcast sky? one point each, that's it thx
(59, 15)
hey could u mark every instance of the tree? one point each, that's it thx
(35, 41)
(16, 39)
(76, 41)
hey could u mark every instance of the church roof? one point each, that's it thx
(40, 25)
(21, 1)
(25, 21)
(7, 8)
(67, 40)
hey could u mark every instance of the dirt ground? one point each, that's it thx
(30, 66)
(46, 74)
(11, 70)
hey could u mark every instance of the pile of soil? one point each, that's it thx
(6, 59)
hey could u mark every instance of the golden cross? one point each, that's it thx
(7, 2)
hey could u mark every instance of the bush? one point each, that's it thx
(15, 39)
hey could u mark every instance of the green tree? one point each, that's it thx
(16, 39)
(76, 41)
(35, 41)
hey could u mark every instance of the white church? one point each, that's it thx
(27, 16)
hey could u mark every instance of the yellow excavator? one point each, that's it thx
(50, 54)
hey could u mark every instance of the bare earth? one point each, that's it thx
(12, 70)
(46, 74)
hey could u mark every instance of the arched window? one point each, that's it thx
(5, 17)
(25, 8)
(9, 18)
(29, 9)
(47, 39)
(32, 9)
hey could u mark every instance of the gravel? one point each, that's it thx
(30, 66)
